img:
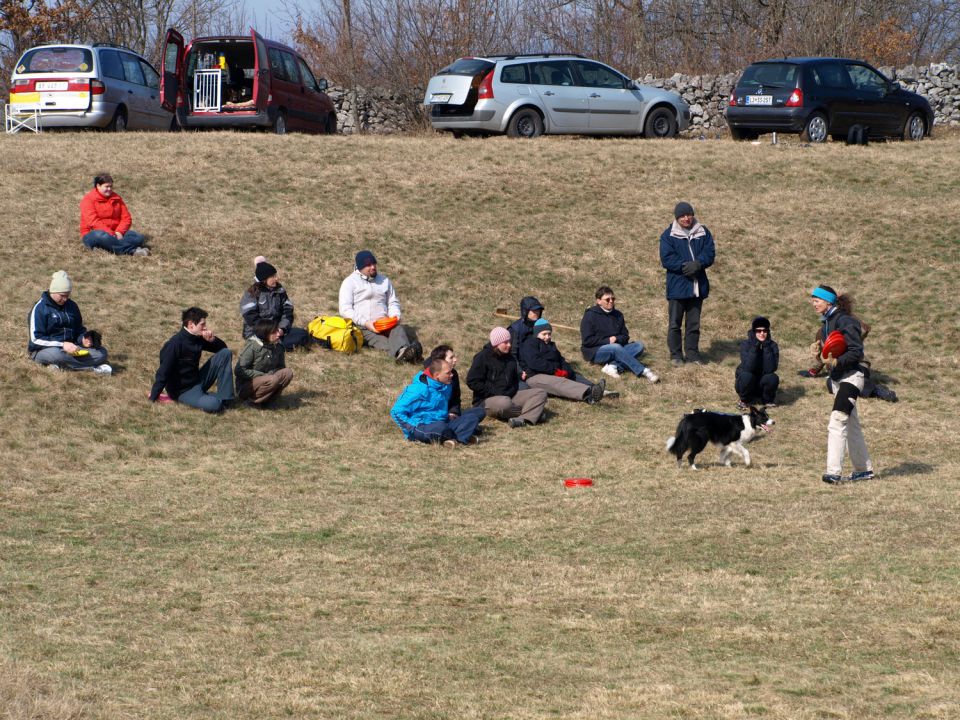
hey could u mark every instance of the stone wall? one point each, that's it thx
(384, 112)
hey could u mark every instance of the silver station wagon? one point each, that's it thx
(529, 95)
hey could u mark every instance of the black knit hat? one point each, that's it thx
(264, 271)
(760, 322)
(682, 208)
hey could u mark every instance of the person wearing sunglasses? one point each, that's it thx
(756, 378)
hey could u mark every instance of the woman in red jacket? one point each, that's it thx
(105, 221)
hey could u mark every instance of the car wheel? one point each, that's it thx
(330, 127)
(525, 123)
(661, 123)
(816, 130)
(738, 134)
(915, 127)
(280, 123)
(119, 121)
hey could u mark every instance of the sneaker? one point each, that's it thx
(611, 394)
(596, 393)
(698, 361)
(407, 354)
(770, 405)
(831, 479)
(611, 370)
(474, 440)
(103, 369)
(651, 376)
(676, 362)
(741, 405)
(142, 252)
(811, 373)
(862, 475)
(53, 368)
(516, 422)
(449, 443)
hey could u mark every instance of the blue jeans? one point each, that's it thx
(56, 356)
(460, 428)
(218, 369)
(111, 243)
(623, 356)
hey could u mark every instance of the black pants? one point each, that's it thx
(689, 307)
(751, 387)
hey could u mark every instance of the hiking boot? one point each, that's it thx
(103, 369)
(611, 394)
(142, 252)
(474, 440)
(595, 393)
(407, 354)
(611, 370)
(516, 422)
(862, 475)
(676, 362)
(417, 352)
(831, 479)
(651, 376)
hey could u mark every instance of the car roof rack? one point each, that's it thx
(514, 56)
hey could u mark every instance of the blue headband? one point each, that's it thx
(819, 292)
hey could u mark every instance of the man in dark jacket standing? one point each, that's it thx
(756, 377)
(180, 372)
(686, 251)
(494, 378)
(604, 339)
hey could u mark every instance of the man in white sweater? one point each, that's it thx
(368, 298)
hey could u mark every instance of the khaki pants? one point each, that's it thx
(266, 387)
(844, 433)
(559, 387)
(526, 404)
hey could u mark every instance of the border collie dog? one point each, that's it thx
(728, 431)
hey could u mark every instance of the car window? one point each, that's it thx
(866, 79)
(170, 57)
(308, 79)
(110, 65)
(595, 75)
(56, 60)
(515, 74)
(290, 66)
(466, 66)
(772, 75)
(552, 73)
(131, 69)
(151, 78)
(276, 65)
(832, 75)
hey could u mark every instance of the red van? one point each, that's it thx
(242, 81)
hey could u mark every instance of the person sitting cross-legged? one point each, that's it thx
(261, 372)
(422, 410)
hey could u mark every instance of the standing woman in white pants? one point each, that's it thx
(847, 373)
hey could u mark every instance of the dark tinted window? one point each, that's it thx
(290, 66)
(831, 75)
(56, 60)
(110, 64)
(595, 75)
(866, 79)
(308, 79)
(467, 66)
(277, 65)
(515, 74)
(772, 75)
(557, 72)
(131, 69)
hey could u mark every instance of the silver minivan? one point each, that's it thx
(529, 95)
(100, 86)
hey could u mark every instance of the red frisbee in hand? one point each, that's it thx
(578, 482)
(835, 345)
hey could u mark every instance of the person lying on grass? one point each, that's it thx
(545, 368)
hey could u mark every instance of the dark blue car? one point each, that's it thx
(824, 97)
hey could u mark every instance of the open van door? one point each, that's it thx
(172, 69)
(261, 71)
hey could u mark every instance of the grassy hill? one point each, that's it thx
(156, 562)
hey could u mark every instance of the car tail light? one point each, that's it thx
(97, 87)
(485, 91)
(795, 99)
(22, 84)
(733, 100)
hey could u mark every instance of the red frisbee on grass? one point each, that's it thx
(578, 482)
(835, 345)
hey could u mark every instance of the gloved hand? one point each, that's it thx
(690, 267)
(561, 373)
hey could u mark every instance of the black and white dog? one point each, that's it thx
(698, 428)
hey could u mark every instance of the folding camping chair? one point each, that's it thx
(25, 117)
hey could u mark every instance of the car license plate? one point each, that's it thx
(41, 86)
(440, 97)
(759, 99)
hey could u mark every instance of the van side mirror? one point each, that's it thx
(322, 84)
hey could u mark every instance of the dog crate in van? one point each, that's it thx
(236, 81)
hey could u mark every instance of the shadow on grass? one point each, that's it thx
(720, 349)
(908, 468)
(788, 396)
(294, 400)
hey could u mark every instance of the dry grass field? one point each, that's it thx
(156, 562)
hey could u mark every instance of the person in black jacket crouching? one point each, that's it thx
(756, 378)
(180, 373)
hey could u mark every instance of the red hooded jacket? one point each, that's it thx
(103, 213)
